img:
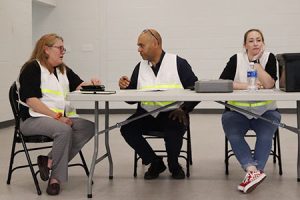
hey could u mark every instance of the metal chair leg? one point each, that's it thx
(31, 167)
(84, 163)
(226, 156)
(275, 146)
(279, 153)
(11, 162)
(135, 164)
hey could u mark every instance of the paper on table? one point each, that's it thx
(151, 90)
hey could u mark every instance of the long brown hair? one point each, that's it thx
(39, 53)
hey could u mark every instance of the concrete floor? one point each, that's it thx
(207, 181)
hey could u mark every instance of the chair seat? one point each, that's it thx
(185, 154)
(155, 134)
(35, 139)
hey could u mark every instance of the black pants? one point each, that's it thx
(173, 130)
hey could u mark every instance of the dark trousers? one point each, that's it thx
(173, 130)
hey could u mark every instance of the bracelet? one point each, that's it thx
(256, 61)
(58, 116)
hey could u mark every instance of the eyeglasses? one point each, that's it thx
(61, 48)
(148, 30)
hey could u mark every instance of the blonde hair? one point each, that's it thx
(39, 53)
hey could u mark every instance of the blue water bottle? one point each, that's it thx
(252, 77)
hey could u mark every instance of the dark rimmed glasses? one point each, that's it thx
(61, 48)
(149, 31)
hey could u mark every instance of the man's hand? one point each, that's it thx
(180, 115)
(124, 82)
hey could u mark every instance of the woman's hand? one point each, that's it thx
(259, 85)
(66, 120)
(260, 53)
(95, 81)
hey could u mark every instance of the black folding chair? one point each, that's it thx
(20, 138)
(185, 154)
(275, 152)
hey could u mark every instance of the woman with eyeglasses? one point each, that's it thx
(236, 124)
(44, 82)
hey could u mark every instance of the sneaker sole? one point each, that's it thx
(250, 188)
(240, 188)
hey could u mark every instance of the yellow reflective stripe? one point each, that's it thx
(57, 110)
(55, 92)
(165, 86)
(246, 104)
(156, 103)
(71, 113)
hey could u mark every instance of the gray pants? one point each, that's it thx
(67, 140)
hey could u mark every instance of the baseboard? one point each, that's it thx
(7, 123)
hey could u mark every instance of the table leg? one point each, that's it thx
(95, 154)
(107, 140)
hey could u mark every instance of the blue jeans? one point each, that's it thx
(236, 126)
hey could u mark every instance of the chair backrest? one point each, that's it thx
(289, 71)
(13, 100)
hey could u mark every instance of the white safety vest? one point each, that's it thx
(257, 107)
(54, 90)
(167, 78)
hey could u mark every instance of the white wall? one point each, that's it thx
(101, 35)
(15, 46)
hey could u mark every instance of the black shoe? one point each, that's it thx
(53, 189)
(157, 167)
(178, 173)
(42, 162)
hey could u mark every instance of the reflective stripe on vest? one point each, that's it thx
(70, 114)
(57, 110)
(247, 104)
(160, 103)
(55, 92)
(156, 103)
(163, 86)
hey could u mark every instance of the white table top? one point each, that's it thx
(185, 95)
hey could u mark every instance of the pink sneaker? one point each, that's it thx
(251, 180)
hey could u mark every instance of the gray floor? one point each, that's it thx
(207, 181)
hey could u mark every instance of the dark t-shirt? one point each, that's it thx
(230, 69)
(30, 84)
